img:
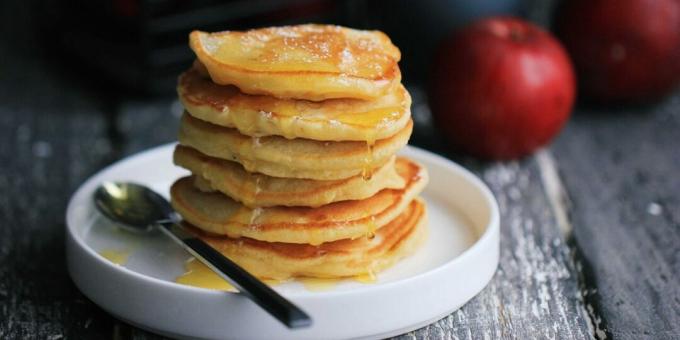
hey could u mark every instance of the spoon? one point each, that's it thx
(139, 209)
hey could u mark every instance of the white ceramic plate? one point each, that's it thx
(456, 262)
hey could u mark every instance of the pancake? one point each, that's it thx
(313, 62)
(290, 158)
(257, 190)
(344, 258)
(330, 120)
(218, 214)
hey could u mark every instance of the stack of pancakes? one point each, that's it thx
(290, 134)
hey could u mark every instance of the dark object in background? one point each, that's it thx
(501, 88)
(418, 27)
(141, 46)
(624, 51)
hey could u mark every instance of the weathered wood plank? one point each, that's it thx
(50, 142)
(52, 136)
(535, 292)
(622, 170)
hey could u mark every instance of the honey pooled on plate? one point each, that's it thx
(115, 256)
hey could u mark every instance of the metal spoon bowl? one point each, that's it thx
(139, 209)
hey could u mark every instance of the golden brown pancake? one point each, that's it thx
(313, 62)
(258, 190)
(343, 258)
(329, 120)
(219, 214)
(290, 158)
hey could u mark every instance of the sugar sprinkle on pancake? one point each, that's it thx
(313, 62)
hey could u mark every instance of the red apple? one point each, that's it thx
(501, 88)
(623, 50)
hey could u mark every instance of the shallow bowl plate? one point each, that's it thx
(457, 261)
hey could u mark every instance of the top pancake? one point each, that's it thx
(329, 120)
(313, 62)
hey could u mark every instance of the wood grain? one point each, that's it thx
(52, 136)
(622, 171)
(534, 293)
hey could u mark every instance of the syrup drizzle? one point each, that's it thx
(197, 274)
(115, 256)
(367, 170)
(371, 228)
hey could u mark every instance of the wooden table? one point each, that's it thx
(590, 226)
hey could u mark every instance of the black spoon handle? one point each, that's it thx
(276, 305)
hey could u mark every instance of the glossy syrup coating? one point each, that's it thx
(313, 62)
(339, 119)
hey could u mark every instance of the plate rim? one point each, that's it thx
(492, 227)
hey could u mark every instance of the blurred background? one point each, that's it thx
(119, 54)
(140, 46)
(73, 60)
